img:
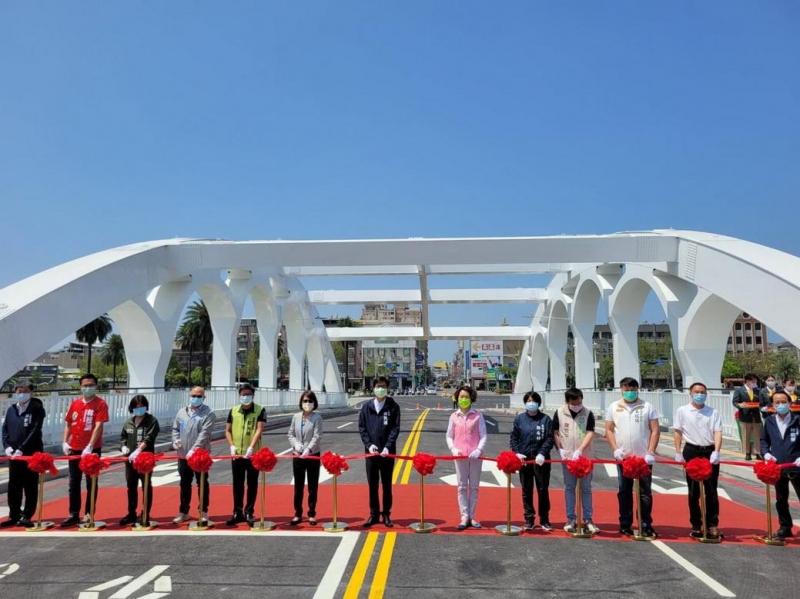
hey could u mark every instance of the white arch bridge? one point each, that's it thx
(702, 281)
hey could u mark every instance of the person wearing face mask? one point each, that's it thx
(532, 439)
(379, 427)
(790, 388)
(139, 434)
(191, 430)
(744, 399)
(573, 424)
(766, 393)
(632, 430)
(466, 436)
(700, 426)
(22, 436)
(780, 442)
(305, 436)
(83, 434)
(243, 431)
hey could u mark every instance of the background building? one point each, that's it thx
(747, 334)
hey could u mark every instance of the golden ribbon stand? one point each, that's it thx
(40, 526)
(508, 530)
(637, 535)
(91, 526)
(335, 526)
(581, 531)
(201, 524)
(769, 539)
(263, 525)
(422, 526)
(146, 523)
(705, 538)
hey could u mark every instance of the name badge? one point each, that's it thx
(385, 419)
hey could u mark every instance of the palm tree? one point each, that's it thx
(195, 334)
(94, 332)
(114, 354)
(346, 322)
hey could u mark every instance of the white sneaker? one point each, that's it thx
(570, 526)
(86, 519)
(205, 516)
(592, 527)
(180, 518)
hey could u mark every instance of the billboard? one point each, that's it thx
(485, 358)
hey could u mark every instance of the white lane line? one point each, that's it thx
(491, 423)
(694, 570)
(165, 479)
(163, 584)
(285, 451)
(111, 584)
(154, 595)
(333, 575)
(345, 424)
(611, 470)
(138, 582)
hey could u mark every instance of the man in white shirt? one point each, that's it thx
(701, 427)
(632, 430)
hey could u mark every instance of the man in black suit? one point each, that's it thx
(749, 417)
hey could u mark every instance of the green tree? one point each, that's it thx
(753, 362)
(605, 374)
(251, 361)
(195, 334)
(94, 332)
(114, 354)
(730, 368)
(783, 365)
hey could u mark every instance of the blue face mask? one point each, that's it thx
(246, 399)
(195, 400)
(782, 408)
(139, 411)
(531, 406)
(22, 397)
(699, 398)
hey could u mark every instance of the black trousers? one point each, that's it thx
(132, 478)
(75, 476)
(625, 498)
(242, 469)
(782, 497)
(22, 480)
(301, 469)
(712, 500)
(187, 474)
(540, 475)
(379, 472)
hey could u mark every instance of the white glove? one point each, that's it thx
(9, 451)
(176, 445)
(765, 409)
(124, 449)
(189, 453)
(305, 453)
(679, 457)
(134, 454)
(385, 451)
(521, 456)
(86, 450)
(17, 454)
(576, 454)
(539, 460)
(233, 449)
(650, 459)
(475, 454)
(455, 451)
(714, 457)
(373, 449)
(248, 454)
(797, 462)
(65, 448)
(768, 457)
(562, 453)
(298, 447)
(618, 453)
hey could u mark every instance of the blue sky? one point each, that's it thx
(124, 122)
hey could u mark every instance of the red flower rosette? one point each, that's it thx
(635, 467)
(334, 463)
(424, 463)
(42, 462)
(91, 464)
(699, 469)
(580, 468)
(508, 462)
(264, 460)
(767, 472)
(144, 462)
(200, 460)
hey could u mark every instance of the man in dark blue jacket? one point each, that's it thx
(532, 439)
(379, 426)
(780, 442)
(22, 436)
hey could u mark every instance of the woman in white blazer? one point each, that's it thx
(305, 435)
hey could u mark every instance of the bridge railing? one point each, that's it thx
(164, 405)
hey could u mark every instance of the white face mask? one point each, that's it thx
(789, 389)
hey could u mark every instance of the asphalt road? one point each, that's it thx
(382, 563)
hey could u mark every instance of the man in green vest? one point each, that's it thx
(243, 432)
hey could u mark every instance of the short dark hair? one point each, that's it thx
(473, 395)
(246, 387)
(24, 385)
(532, 395)
(88, 376)
(782, 392)
(381, 379)
(629, 381)
(785, 381)
(693, 385)
(574, 393)
(750, 377)
(310, 395)
(137, 401)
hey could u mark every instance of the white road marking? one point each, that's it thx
(138, 582)
(163, 584)
(491, 423)
(166, 479)
(336, 568)
(345, 424)
(153, 595)
(499, 475)
(111, 584)
(611, 470)
(166, 466)
(88, 595)
(450, 479)
(694, 570)
(10, 570)
(323, 476)
(285, 451)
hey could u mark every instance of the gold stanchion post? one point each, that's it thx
(581, 531)
(768, 539)
(201, 524)
(705, 538)
(335, 526)
(146, 523)
(40, 526)
(92, 525)
(508, 530)
(263, 525)
(638, 536)
(422, 526)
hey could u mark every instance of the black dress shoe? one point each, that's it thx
(748, 457)
(250, 519)
(26, 522)
(129, 519)
(9, 523)
(73, 520)
(784, 533)
(387, 522)
(235, 519)
(371, 521)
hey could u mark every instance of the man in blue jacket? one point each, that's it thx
(379, 427)
(780, 442)
(22, 436)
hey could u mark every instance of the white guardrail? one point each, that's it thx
(665, 403)
(165, 404)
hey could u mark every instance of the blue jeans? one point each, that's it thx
(570, 482)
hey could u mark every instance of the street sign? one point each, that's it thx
(389, 364)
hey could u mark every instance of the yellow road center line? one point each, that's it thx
(398, 465)
(409, 467)
(382, 571)
(360, 571)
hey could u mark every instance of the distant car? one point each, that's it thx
(431, 391)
